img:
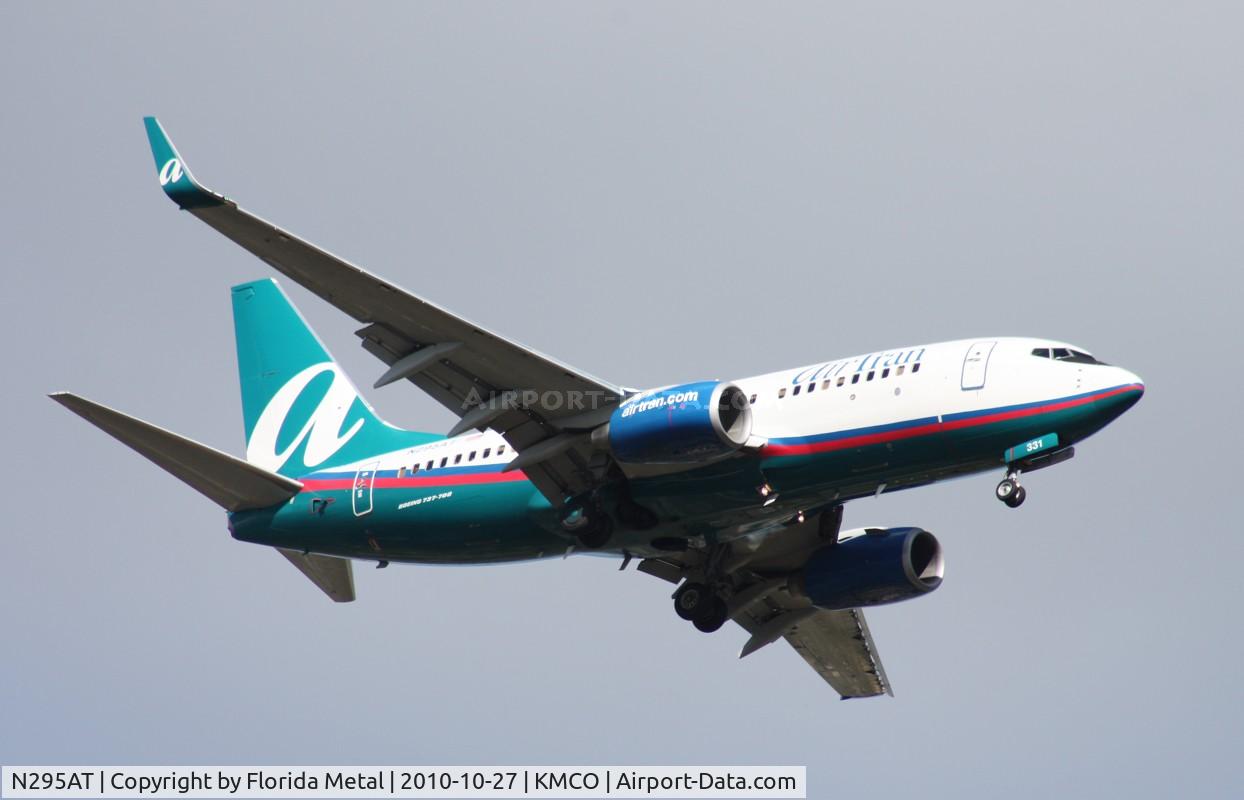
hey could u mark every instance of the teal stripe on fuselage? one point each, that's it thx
(458, 524)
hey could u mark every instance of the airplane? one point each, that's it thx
(730, 490)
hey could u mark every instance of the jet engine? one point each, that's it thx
(875, 567)
(688, 424)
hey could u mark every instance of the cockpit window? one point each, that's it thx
(1080, 357)
(1066, 354)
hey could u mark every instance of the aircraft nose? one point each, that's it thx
(1132, 388)
(1132, 379)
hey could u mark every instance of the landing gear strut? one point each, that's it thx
(1009, 491)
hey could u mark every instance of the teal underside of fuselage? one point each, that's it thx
(471, 523)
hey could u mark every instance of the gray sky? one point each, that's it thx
(653, 194)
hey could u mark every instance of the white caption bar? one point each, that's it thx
(264, 783)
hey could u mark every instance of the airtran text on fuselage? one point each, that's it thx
(890, 358)
(660, 401)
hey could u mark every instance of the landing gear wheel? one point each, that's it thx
(597, 532)
(1006, 490)
(714, 615)
(1017, 498)
(691, 600)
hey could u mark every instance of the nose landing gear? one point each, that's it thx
(1009, 491)
(1034, 454)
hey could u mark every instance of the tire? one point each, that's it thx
(1006, 490)
(714, 616)
(597, 532)
(1016, 500)
(691, 599)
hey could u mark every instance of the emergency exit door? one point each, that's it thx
(360, 497)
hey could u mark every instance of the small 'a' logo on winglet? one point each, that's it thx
(171, 172)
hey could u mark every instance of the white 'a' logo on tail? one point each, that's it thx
(322, 430)
(171, 172)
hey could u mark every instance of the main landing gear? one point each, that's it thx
(590, 524)
(701, 606)
(1009, 491)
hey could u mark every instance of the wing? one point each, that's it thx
(837, 644)
(542, 407)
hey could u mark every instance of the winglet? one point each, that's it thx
(175, 177)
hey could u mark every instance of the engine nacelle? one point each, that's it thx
(882, 565)
(688, 424)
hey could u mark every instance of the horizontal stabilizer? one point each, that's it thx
(334, 576)
(230, 482)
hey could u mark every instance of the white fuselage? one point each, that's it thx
(866, 391)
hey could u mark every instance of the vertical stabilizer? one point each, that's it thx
(301, 412)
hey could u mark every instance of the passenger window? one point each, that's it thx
(487, 450)
(458, 459)
(752, 400)
(885, 373)
(825, 384)
(781, 392)
(899, 371)
(472, 456)
(429, 466)
(915, 367)
(871, 373)
(401, 472)
(842, 379)
(414, 469)
(812, 387)
(500, 449)
(797, 388)
(444, 461)
(855, 378)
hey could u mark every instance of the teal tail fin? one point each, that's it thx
(302, 413)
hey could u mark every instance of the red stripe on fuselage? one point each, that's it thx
(429, 482)
(952, 425)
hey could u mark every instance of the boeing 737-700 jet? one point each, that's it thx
(731, 489)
